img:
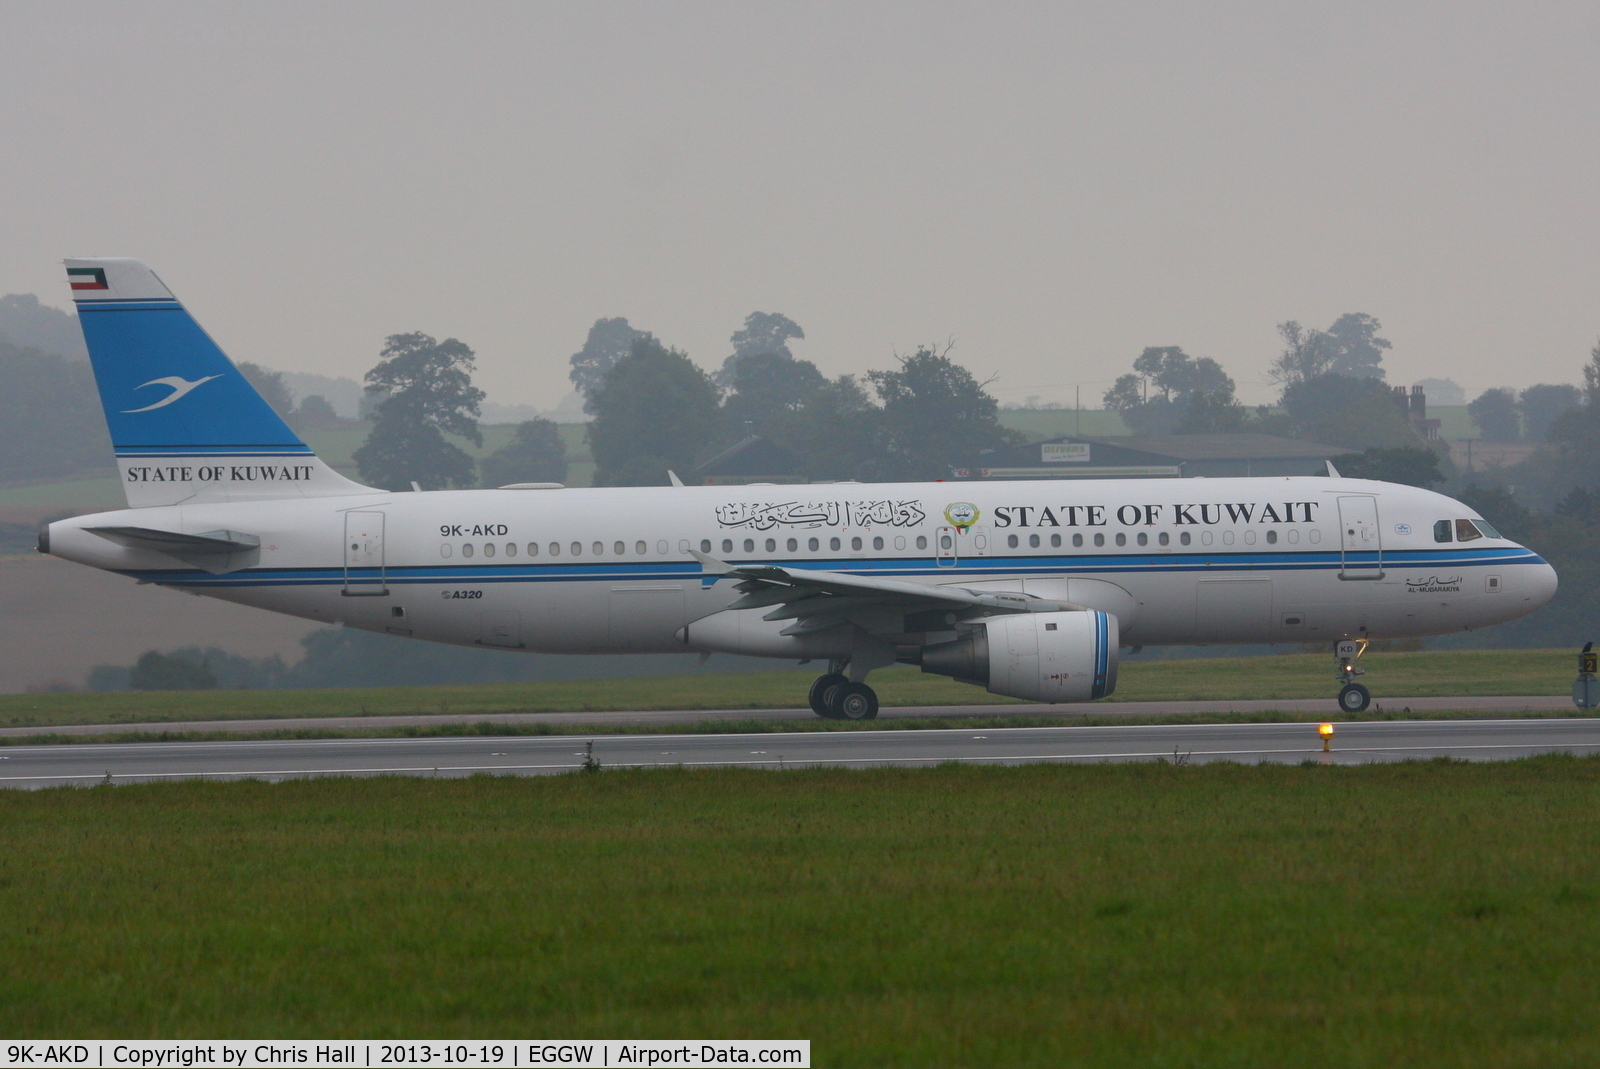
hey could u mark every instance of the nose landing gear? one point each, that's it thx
(834, 697)
(1353, 697)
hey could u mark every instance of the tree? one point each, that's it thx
(1178, 379)
(764, 333)
(157, 671)
(1495, 414)
(314, 413)
(654, 411)
(51, 423)
(1357, 349)
(1443, 391)
(1355, 413)
(1307, 355)
(766, 386)
(1409, 465)
(1543, 404)
(430, 394)
(28, 324)
(271, 387)
(609, 340)
(936, 416)
(535, 454)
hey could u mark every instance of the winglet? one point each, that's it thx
(674, 477)
(1333, 472)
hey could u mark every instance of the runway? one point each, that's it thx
(1354, 743)
(666, 718)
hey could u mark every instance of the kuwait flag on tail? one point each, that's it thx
(87, 278)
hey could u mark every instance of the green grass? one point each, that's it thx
(1387, 915)
(1445, 672)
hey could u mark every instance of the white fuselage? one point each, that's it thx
(1178, 561)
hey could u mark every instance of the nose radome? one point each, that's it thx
(1540, 586)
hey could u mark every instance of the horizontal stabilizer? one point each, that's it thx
(217, 552)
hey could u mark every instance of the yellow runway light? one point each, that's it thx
(1326, 731)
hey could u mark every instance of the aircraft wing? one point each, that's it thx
(817, 600)
(214, 551)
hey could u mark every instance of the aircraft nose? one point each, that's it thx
(1539, 586)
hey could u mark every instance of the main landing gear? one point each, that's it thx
(1353, 697)
(833, 696)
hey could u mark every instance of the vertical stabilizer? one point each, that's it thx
(185, 424)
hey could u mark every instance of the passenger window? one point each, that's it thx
(705, 545)
(1144, 539)
(599, 549)
(1055, 541)
(877, 543)
(511, 549)
(1122, 539)
(855, 543)
(1465, 532)
(727, 545)
(1033, 541)
(1164, 538)
(1272, 538)
(749, 545)
(641, 548)
(555, 549)
(772, 545)
(1011, 540)
(466, 549)
(1077, 540)
(1099, 539)
(577, 549)
(488, 549)
(922, 541)
(813, 545)
(445, 550)
(1183, 538)
(622, 547)
(793, 544)
(833, 543)
(1441, 531)
(533, 549)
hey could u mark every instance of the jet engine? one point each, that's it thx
(1038, 656)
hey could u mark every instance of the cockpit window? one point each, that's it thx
(1488, 531)
(1465, 532)
(1441, 531)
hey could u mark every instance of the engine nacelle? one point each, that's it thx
(1039, 656)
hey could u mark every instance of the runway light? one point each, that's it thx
(1326, 731)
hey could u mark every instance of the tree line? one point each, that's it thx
(656, 411)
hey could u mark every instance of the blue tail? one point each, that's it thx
(184, 422)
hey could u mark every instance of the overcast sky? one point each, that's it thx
(1055, 186)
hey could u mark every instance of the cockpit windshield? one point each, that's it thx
(1463, 530)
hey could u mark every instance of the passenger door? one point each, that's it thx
(1360, 540)
(363, 555)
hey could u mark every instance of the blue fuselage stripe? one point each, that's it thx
(899, 568)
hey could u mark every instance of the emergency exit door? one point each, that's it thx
(1360, 540)
(363, 555)
(947, 547)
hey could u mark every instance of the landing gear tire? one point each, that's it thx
(819, 693)
(1354, 698)
(853, 701)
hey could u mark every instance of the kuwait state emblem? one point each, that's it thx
(962, 514)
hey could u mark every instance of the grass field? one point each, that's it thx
(1445, 672)
(1418, 914)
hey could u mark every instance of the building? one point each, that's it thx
(1154, 456)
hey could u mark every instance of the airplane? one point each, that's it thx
(1030, 589)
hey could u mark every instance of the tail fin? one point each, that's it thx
(186, 425)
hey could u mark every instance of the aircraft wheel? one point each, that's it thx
(1354, 698)
(853, 701)
(819, 693)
